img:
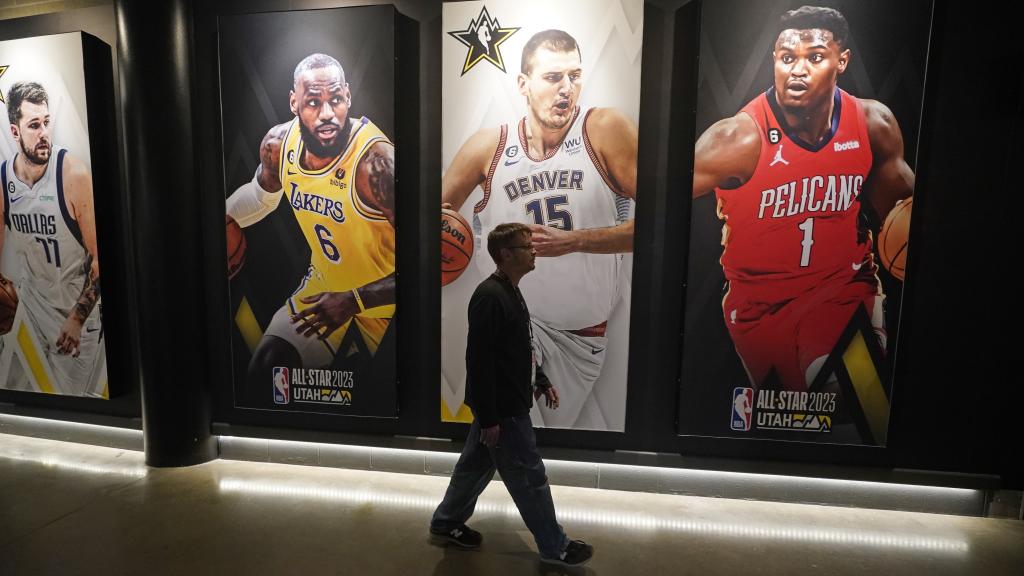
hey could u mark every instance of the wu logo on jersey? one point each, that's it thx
(281, 390)
(742, 408)
(483, 36)
(573, 145)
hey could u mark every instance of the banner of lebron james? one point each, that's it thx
(307, 100)
(807, 123)
(52, 337)
(540, 110)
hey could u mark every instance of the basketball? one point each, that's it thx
(8, 304)
(236, 246)
(456, 245)
(893, 238)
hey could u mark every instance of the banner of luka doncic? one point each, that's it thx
(804, 166)
(552, 91)
(307, 101)
(50, 300)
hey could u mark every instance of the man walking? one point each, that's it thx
(500, 378)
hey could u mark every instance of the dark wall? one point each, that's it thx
(417, 132)
(112, 224)
(955, 395)
(956, 387)
(953, 378)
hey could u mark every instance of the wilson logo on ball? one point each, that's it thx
(446, 228)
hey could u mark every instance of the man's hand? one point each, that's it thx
(550, 396)
(489, 436)
(328, 312)
(548, 241)
(70, 337)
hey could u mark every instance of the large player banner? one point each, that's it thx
(307, 101)
(50, 289)
(540, 108)
(807, 123)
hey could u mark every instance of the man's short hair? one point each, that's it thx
(316, 62)
(554, 40)
(503, 236)
(810, 17)
(24, 91)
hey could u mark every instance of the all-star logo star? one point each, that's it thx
(483, 37)
(2, 70)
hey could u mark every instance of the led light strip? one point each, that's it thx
(607, 518)
(50, 461)
(43, 423)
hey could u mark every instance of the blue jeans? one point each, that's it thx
(522, 470)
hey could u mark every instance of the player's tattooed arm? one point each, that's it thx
(90, 292)
(257, 198)
(270, 158)
(330, 310)
(70, 336)
(891, 178)
(726, 154)
(79, 194)
(375, 179)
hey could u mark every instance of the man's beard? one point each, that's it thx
(550, 121)
(320, 150)
(34, 158)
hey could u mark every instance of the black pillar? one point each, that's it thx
(154, 41)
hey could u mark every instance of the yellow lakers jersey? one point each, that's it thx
(351, 244)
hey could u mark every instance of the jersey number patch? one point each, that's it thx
(330, 250)
(805, 254)
(550, 212)
(47, 243)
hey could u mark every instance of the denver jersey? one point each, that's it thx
(351, 243)
(567, 189)
(46, 240)
(794, 225)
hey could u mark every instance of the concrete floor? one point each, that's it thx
(75, 509)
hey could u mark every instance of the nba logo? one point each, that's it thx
(280, 385)
(742, 407)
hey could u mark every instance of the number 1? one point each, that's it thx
(808, 227)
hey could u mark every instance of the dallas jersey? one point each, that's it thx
(51, 267)
(47, 241)
(351, 244)
(794, 225)
(567, 189)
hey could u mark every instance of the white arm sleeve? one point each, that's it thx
(250, 203)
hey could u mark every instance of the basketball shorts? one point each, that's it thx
(317, 353)
(66, 374)
(573, 363)
(795, 337)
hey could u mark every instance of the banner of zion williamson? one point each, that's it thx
(807, 123)
(52, 336)
(309, 158)
(540, 108)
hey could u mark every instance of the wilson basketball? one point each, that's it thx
(456, 245)
(893, 238)
(8, 304)
(236, 246)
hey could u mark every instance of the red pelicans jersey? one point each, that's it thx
(794, 225)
